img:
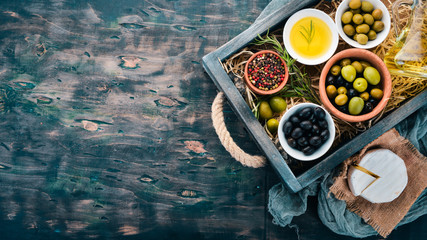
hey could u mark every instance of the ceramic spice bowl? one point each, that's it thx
(266, 73)
(385, 84)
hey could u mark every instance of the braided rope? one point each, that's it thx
(227, 141)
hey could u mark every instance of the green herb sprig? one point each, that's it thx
(308, 34)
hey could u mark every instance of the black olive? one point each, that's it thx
(343, 108)
(319, 113)
(339, 81)
(302, 141)
(297, 133)
(308, 150)
(368, 107)
(294, 120)
(287, 128)
(315, 130)
(323, 124)
(347, 85)
(292, 143)
(351, 93)
(373, 101)
(305, 113)
(306, 125)
(313, 119)
(330, 79)
(315, 141)
(324, 135)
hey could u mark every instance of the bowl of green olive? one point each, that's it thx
(363, 23)
(355, 85)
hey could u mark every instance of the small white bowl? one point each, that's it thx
(296, 153)
(381, 36)
(310, 12)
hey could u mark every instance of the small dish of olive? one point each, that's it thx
(363, 23)
(355, 85)
(306, 131)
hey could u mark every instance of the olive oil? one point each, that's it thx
(310, 37)
(408, 56)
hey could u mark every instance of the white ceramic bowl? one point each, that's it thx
(381, 36)
(296, 153)
(309, 12)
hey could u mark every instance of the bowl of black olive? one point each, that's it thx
(306, 131)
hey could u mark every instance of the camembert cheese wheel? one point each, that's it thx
(379, 177)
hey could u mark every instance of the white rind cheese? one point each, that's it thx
(392, 179)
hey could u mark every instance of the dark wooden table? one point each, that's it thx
(106, 131)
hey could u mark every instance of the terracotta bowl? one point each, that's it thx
(361, 55)
(257, 90)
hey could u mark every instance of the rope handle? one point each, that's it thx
(227, 141)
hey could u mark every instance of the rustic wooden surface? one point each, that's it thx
(106, 131)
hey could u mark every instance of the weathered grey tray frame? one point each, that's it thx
(211, 63)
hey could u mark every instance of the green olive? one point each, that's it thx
(348, 73)
(378, 26)
(358, 66)
(341, 99)
(355, 4)
(345, 62)
(377, 93)
(349, 30)
(331, 91)
(372, 35)
(355, 11)
(342, 90)
(355, 106)
(346, 17)
(372, 75)
(368, 19)
(362, 28)
(277, 104)
(272, 125)
(265, 111)
(362, 39)
(360, 84)
(355, 37)
(377, 14)
(367, 6)
(365, 64)
(365, 96)
(335, 70)
(357, 19)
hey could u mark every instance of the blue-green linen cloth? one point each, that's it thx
(284, 205)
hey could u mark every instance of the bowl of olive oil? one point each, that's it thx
(310, 36)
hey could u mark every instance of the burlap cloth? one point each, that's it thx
(384, 217)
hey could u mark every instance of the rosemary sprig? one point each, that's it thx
(309, 33)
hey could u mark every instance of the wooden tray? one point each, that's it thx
(211, 63)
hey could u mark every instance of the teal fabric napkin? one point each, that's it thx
(284, 205)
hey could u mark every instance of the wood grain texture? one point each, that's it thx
(106, 131)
